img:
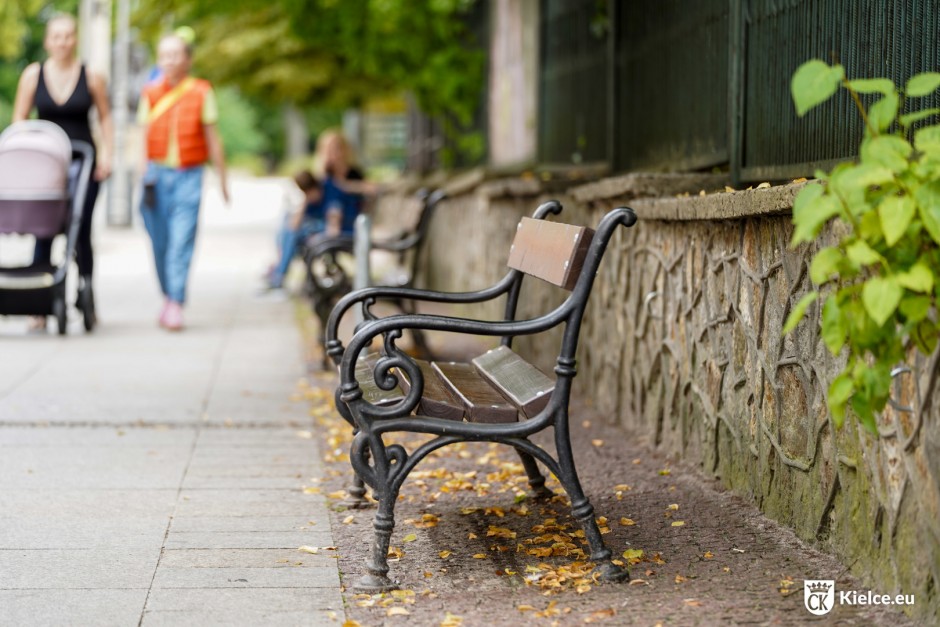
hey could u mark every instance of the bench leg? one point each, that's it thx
(376, 578)
(536, 478)
(583, 511)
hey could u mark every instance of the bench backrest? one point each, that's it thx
(550, 251)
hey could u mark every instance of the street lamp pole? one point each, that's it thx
(119, 201)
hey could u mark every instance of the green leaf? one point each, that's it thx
(865, 414)
(918, 278)
(799, 311)
(896, 213)
(889, 151)
(840, 390)
(851, 182)
(915, 308)
(882, 113)
(927, 140)
(833, 326)
(925, 335)
(872, 86)
(862, 254)
(922, 84)
(814, 83)
(810, 216)
(909, 118)
(928, 200)
(824, 264)
(881, 297)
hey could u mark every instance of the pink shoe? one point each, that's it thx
(161, 321)
(173, 317)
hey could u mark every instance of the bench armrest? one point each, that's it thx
(367, 296)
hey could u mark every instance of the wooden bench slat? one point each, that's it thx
(551, 251)
(436, 399)
(371, 392)
(520, 382)
(482, 402)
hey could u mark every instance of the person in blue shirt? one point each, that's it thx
(308, 220)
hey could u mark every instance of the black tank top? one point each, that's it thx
(72, 115)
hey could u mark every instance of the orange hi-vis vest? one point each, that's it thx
(186, 117)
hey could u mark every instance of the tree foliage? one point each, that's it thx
(883, 277)
(332, 52)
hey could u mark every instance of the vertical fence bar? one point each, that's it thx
(736, 43)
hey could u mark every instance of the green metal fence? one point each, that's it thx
(693, 84)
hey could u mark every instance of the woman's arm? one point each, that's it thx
(99, 93)
(217, 154)
(25, 92)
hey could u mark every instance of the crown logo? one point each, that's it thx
(819, 587)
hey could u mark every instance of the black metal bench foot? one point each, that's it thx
(374, 584)
(356, 496)
(608, 571)
(536, 478)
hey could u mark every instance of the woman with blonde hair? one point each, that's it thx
(342, 180)
(62, 90)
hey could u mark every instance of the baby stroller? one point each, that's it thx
(43, 180)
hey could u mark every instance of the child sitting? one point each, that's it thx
(308, 220)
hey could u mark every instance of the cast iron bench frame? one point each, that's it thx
(327, 286)
(385, 467)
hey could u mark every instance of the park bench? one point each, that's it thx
(328, 278)
(496, 397)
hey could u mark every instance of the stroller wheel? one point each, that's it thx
(58, 311)
(86, 302)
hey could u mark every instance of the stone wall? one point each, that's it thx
(695, 296)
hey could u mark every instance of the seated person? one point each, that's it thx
(310, 219)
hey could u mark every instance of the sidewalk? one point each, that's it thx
(156, 479)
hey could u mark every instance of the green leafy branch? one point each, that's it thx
(882, 279)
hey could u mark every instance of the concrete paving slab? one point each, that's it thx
(246, 616)
(246, 503)
(230, 603)
(37, 532)
(271, 576)
(249, 540)
(77, 568)
(55, 467)
(86, 503)
(316, 518)
(54, 608)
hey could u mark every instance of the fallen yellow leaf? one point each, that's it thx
(525, 608)
(397, 611)
(309, 549)
(479, 556)
(312, 490)
(626, 522)
(451, 620)
(411, 537)
(708, 555)
(597, 443)
(349, 520)
(678, 523)
(444, 554)
(600, 615)
(674, 507)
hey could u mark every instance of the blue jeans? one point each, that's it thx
(172, 224)
(288, 240)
